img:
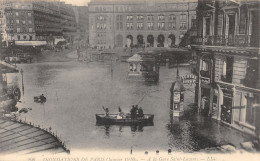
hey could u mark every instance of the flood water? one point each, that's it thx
(77, 91)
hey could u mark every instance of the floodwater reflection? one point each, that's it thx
(133, 128)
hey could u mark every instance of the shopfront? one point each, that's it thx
(226, 106)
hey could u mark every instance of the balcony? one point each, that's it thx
(216, 40)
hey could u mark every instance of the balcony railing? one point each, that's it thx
(234, 40)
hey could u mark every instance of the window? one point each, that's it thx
(183, 17)
(16, 13)
(129, 26)
(24, 37)
(193, 23)
(171, 25)
(227, 72)
(30, 29)
(172, 17)
(150, 25)
(30, 22)
(29, 14)
(18, 37)
(150, 17)
(30, 37)
(18, 30)
(250, 111)
(139, 26)
(183, 26)
(205, 68)
(251, 73)
(119, 25)
(161, 17)
(23, 22)
(101, 18)
(129, 17)
(161, 25)
(140, 17)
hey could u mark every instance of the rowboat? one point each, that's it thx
(125, 119)
(40, 99)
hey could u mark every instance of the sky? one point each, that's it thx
(77, 2)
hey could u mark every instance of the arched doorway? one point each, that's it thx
(119, 41)
(160, 41)
(150, 40)
(129, 40)
(171, 40)
(140, 40)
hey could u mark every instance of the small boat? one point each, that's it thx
(125, 119)
(40, 99)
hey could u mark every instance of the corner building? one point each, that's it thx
(228, 68)
(125, 23)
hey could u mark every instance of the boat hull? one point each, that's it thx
(112, 119)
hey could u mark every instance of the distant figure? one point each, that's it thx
(169, 151)
(133, 112)
(107, 111)
(140, 112)
(42, 97)
(119, 109)
(78, 53)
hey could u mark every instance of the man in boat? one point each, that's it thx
(140, 112)
(106, 110)
(133, 112)
(42, 98)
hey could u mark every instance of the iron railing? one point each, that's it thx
(220, 40)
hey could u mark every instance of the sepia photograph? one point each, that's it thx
(129, 80)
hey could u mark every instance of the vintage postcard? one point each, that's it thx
(129, 80)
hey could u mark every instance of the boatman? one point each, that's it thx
(106, 110)
(140, 112)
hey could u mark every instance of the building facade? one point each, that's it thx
(41, 20)
(228, 68)
(81, 13)
(125, 23)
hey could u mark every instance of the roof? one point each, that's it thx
(177, 86)
(141, 57)
(7, 68)
(30, 43)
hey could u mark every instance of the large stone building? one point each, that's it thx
(36, 20)
(120, 23)
(227, 47)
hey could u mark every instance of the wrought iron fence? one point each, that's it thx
(222, 40)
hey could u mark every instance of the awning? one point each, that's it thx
(7, 68)
(30, 43)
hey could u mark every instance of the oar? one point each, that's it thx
(145, 95)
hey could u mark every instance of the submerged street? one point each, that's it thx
(77, 91)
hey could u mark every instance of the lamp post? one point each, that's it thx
(177, 95)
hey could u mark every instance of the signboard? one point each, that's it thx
(205, 80)
(189, 79)
(176, 97)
